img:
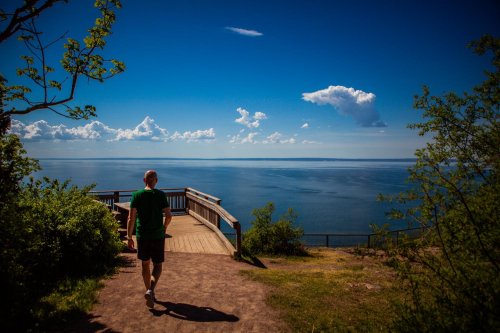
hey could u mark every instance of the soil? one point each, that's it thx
(196, 292)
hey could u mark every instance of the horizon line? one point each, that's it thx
(232, 158)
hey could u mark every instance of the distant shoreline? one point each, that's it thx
(294, 159)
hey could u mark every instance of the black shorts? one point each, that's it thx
(151, 249)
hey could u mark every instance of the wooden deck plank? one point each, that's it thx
(207, 243)
(189, 244)
(182, 244)
(197, 244)
(217, 245)
(189, 235)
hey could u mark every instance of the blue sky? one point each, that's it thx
(270, 78)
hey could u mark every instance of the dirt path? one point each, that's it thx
(196, 292)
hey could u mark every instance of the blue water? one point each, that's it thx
(330, 196)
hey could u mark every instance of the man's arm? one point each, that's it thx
(130, 226)
(168, 217)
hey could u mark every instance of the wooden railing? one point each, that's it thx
(203, 207)
(207, 209)
(176, 197)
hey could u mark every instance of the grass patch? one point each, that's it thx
(70, 300)
(331, 291)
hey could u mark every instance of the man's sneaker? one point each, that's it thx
(149, 296)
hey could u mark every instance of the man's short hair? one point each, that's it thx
(150, 175)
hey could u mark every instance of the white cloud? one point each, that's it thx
(196, 136)
(277, 138)
(92, 131)
(42, 130)
(237, 139)
(259, 116)
(147, 130)
(245, 32)
(308, 142)
(350, 102)
(250, 122)
(306, 125)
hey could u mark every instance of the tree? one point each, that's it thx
(454, 268)
(46, 227)
(79, 59)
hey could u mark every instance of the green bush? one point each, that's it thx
(50, 232)
(79, 231)
(279, 238)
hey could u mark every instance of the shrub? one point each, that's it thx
(50, 232)
(279, 238)
(79, 231)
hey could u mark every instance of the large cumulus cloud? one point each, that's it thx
(349, 102)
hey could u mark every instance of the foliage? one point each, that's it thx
(79, 59)
(14, 166)
(15, 233)
(52, 235)
(71, 299)
(78, 228)
(49, 231)
(279, 238)
(454, 268)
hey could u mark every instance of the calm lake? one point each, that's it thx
(330, 196)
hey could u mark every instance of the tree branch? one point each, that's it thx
(17, 18)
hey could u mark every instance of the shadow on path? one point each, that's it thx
(192, 312)
(86, 324)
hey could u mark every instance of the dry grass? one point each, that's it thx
(332, 290)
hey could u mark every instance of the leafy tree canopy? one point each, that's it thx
(43, 88)
(454, 268)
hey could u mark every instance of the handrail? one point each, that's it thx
(207, 217)
(113, 191)
(230, 219)
(206, 196)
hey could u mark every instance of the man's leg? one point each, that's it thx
(146, 274)
(157, 256)
(157, 268)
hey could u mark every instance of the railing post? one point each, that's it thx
(116, 197)
(238, 238)
(187, 201)
(217, 219)
(327, 240)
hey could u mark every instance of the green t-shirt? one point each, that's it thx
(149, 220)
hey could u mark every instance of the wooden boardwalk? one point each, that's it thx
(196, 230)
(186, 234)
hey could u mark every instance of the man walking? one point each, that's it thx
(147, 208)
